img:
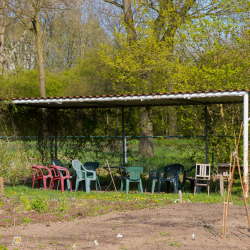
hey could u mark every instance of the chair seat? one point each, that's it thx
(168, 174)
(134, 176)
(84, 174)
(39, 175)
(202, 174)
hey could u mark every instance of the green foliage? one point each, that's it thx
(175, 244)
(63, 204)
(39, 204)
(26, 202)
(15, 163)
(2, 247)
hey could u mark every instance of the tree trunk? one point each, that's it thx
(2, 33)
(172, 121)
(40, 57)
(128, 19)
(146, 147)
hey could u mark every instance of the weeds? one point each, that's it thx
(175, 244)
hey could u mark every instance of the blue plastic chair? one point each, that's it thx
(82, 174)
(168, 174)
(134, 176)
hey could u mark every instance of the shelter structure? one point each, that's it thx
(153, 99)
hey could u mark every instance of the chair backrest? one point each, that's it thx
(202, 171)
(57, 162)
(77, 165)
(134, 172)
(57, 170)
(91, 165)
(40, 169)
(172, 170)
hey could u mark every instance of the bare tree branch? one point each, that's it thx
(115, 3)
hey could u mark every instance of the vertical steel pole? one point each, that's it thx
(245, 143)
(124, 140)
(55, 133)
(206, 134)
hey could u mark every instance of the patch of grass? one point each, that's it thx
(164, 233)
(175, 244)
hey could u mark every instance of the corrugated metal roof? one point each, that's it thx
(135, 100)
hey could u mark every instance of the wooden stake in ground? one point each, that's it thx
(113, 182)
(235, 156)
(1, 184)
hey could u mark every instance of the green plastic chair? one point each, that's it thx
(82, 174)
(168, 174)
(153, 175)
(134, 176)
(93, 166)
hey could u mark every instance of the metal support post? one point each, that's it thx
(245, 143)
(124, 140)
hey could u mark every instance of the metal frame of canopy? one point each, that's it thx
(154, 99)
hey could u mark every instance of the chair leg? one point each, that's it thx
(51, 183)
(195, 187)
(70, 185)
(96, 186)
(183, 185)
(98, 183)
(33, 184)
(77, 184)
(121, 189)
(87, 185)
(127, 186)
(175, 186)
(44, 183)
(153, 186)
(146, 185)
(159, 186)
(208, 187)
(140, 183)
(62, 185)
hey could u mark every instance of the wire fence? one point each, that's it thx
(165, 150)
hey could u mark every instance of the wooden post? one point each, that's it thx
(221, 184)
(1, 185)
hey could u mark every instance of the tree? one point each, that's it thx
(5, 21)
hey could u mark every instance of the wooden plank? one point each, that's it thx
(1, 184)
(221, 185)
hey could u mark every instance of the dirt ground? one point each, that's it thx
(161, 228)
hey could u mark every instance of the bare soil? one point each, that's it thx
(170, 227)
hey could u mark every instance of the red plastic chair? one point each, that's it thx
(39, 175)
(58, 176)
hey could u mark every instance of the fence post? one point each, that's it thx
(1, 184)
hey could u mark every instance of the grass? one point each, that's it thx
(28, 205)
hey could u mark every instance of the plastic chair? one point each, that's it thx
(60, 178)
(134, 176)
(93, 166)
(57, 162)
(191, 179)
(39, 175)
(168, 174)
(202, 173)
(153, 175)
(82, 174)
